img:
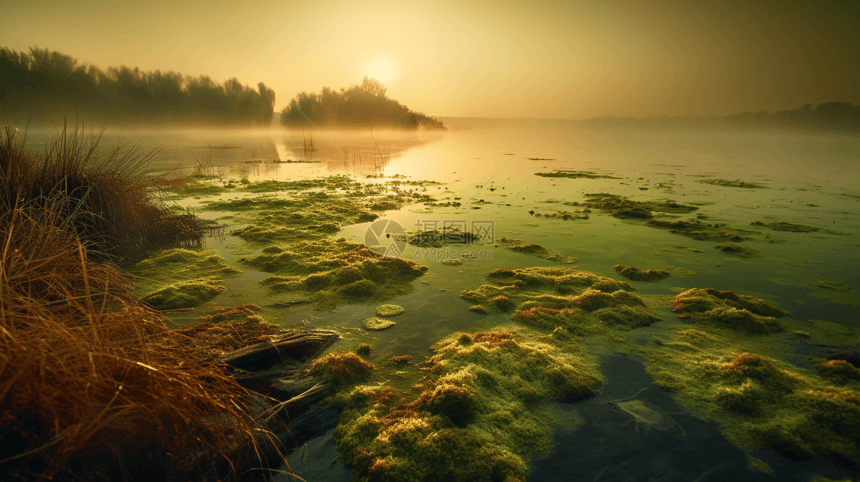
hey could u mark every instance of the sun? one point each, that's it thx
(381, 69)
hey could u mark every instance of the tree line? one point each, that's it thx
(365, 105)
(42, 83)
(828, 115)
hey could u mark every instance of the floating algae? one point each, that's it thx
(335, 272)
(535, 250)
(645, 415)
(184, 294)
(172, 265)
(636, 274)
(437, 238)
(578, 301)
(482, 413)
(738, 183)
(575, 175)
(565, 215)
(739, 312)
(389, 310)
(621, 207)
(761, 401)
(700, 231)
(792, 227)
(377, 324)
(737, 250)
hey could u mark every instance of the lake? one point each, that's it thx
(800, 211)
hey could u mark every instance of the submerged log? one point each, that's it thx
(297, 345)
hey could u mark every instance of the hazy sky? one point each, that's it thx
(493, 58)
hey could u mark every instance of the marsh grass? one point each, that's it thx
(93, 385)
(102, 195)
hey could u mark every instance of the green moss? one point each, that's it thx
(184, 294)
(389, 310)
(335, 272)
(376, 324)
(363, 350)
(437, 238)
(481, 414)
(636, 274)
(575, 175)
(737, 183)
(340, 368)
(173, 265)
(546, 297)
(761, 401)
(737, 250)
(700, 231)
(739, 312)
(535, 250)
(621, 207)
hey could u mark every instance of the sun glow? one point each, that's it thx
(381, 69)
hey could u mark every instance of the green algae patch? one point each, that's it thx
(738, 250)
(482, 411)
(389, 310)
(736, 183)
(623, 208)
(726, 308)
(315, 208)
(436, 238)
(452, 262)
(636, 274)
(192, 186)
(535, 250)
(761, 401)
(335, 272)
(788, 227)
(179, 264)
(340, 368)
(700, 231)
(565, 215)
(579, 301)
(575, 175)
(184, 294)
(833, 285)
(377, 324)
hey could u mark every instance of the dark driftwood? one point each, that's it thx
(297, 345)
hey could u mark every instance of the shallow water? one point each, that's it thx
(810, 179)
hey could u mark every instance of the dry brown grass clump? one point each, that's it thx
(102, 195)
(93, 385)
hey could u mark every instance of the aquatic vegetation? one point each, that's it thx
(376, 324)
(761, 401)
(363, 349)
(575, 174)
(621, 207)
(400, 360)
(389, 310)
(452, 262)
(737, 250)
(535, 250)
(184, 294)
(833, 285)
(739, 312)
(636, 274)
(169, 266)
(335, 272)
(578, 301)
(481, 414)
(791, 227)
(737, 183)
(437, 238)
(340, 368)
(565, 215)
(701, 231)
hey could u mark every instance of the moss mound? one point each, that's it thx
(548, 297)
(621, 207)
(739, 312)
(377, 324)
(636, 274)
(180, 264)
(737, 250)
(482, 413)
(575, 175)
(736, 183)
(335, 272)
(763, 402)
(340, 368)
(184, 294)
(535, 250)
(389, 310)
